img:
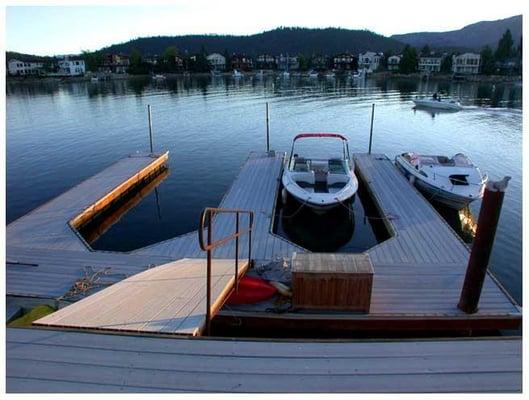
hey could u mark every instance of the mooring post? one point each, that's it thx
(267, 130)
(371, 131)
(482, 247)
(150, 125)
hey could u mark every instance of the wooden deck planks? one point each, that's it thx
(42, 361)
(48, 225)
(170, 298)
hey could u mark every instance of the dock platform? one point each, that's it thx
(168, 299)
(59, 361)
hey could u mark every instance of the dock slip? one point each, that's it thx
(418, 272)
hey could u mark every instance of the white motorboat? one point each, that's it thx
(158, 77)
(321, 184)
(312, 74)
(237, 74)
(285, 74)
(437, 102)
(454, 182)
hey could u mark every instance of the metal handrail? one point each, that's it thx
(208, 213)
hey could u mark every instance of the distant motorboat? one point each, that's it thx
(454, 182)
(330, 75)
(94, 79)
(158, 77)
(313, 74)
(437, 102)
(237, 74)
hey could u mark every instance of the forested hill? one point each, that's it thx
(475, 36)
(282, 40)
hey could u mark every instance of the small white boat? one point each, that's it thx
(313, 74)
(237, 74)
(321, 184)
(94, 79)
(454, 182)
(158, 77)
(438, 102)
(330, 75)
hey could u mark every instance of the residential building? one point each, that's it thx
(217, 61)
(394, 62)
(265, 61)
(369, 60)
(241, 62)
(179, 62)
(287, 62)
(115, 63)
(467, 63)
(71, 66)
(23, 68)
(345, 62)
(319, 62)
(430, 63)
(151, 59)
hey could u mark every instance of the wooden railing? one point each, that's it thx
(206, 221)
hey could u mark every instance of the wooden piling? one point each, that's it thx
(371, 130)
(482, 247)
(267, 129)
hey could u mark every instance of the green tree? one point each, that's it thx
(505, 47)
(425, 51)
(304, 62)
(446, 64)
(169, 59)
(409, 61)
(93, 60)
(487, 61)
(137, 66)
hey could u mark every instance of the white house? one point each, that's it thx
(369, 60)
(17, 67)
(467, 63)
(71, 66)
(393, 63)
(217, 61)
(430, 63)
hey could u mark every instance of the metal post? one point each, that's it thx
(371, 131)
(267, 129)
(482, 247)
(250, 240)
(237, 252)
(150, 125)
(208, 279)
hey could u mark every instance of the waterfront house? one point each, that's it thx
(369, 60)
(466, 63)
(319, 62)
(265, 61)
(241, 62)
(24, 68)
(217, 61)
(151, 59)
(115, 63)
(393, 62)
(345, 62)
(287, 62)
(71, 66)
(430, 63)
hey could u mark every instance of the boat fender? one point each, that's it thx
(284, 196)
(281, 288)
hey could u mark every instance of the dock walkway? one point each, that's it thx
(59, 361)
(168, 299)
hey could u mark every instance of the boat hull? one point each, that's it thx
(433, 193)
(318, 208)
(439, 105)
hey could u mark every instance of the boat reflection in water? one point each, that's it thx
(327, 232)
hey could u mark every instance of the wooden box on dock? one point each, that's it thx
(332, 281)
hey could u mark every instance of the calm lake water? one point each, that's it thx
(59, 134)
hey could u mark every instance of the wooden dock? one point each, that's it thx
(169, 299)
(67, 362)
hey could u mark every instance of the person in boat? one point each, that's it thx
(435, 96)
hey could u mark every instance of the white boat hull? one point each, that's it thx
(440, 105)
(431, 192)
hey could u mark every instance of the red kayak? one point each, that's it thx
(252, 290)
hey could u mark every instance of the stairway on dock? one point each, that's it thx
(169, 299)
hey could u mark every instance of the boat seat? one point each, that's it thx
(301, 165)
(336, 166)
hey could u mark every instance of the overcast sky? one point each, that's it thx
(61, 29)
